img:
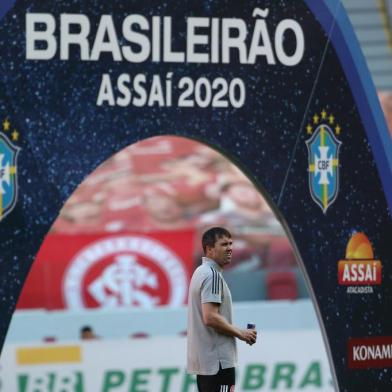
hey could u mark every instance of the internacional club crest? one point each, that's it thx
(8, 169)
(125, 271)
(323, 157)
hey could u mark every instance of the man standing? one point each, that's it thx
(212, 352)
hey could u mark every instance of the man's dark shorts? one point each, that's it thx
(223, 381)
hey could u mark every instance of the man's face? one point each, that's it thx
(88, 335)
(221, 252)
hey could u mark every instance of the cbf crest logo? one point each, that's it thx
(323, 149)
(8, 169)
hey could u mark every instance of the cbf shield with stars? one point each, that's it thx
(8, 176)
(323, 150)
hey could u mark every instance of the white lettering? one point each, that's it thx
(265, 49)
(356, 353)
(237, 42)
(168, 54)
(123, 89)
(140, 97)
(46, 36)
(136, 38)
(215, 40)
(105, 93)
(156, 38)
(374, 352)
(346, 273)
(361, 272)
(106, 28)
(156, 93)
(196, 39)
(294, 26)
(68, 38)
(386, 351)
(207, 39)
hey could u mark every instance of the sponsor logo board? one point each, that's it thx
(359, 271)
(370, 352)
(283, 366)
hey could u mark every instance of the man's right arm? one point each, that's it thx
(212, 318)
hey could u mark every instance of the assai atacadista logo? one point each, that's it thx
(8, 168)
(359, 270)
(323, 158)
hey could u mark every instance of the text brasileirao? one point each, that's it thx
(208, 41)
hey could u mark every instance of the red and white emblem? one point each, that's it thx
(125, 271)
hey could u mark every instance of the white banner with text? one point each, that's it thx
(279, 361)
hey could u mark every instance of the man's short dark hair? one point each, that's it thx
(85, 329)
(212, 235)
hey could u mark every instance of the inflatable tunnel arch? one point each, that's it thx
(279, 87)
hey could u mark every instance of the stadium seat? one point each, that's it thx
(49, 339)
(139, 335)
(279, 253)
(246, 285)
(281, 285)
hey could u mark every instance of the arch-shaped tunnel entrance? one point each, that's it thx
(119, 257)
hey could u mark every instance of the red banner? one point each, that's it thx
(370, 352)
(101, 271)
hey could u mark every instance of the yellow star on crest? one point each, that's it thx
(338, 129)
(15, 135)
(309, 129)
(331, 119)
(6, 125)
(316, 119)
(323, 114)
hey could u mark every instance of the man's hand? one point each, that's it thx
(212, 318)
(248, 335)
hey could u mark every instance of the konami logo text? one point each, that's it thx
(370, 352)
(359, 268)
